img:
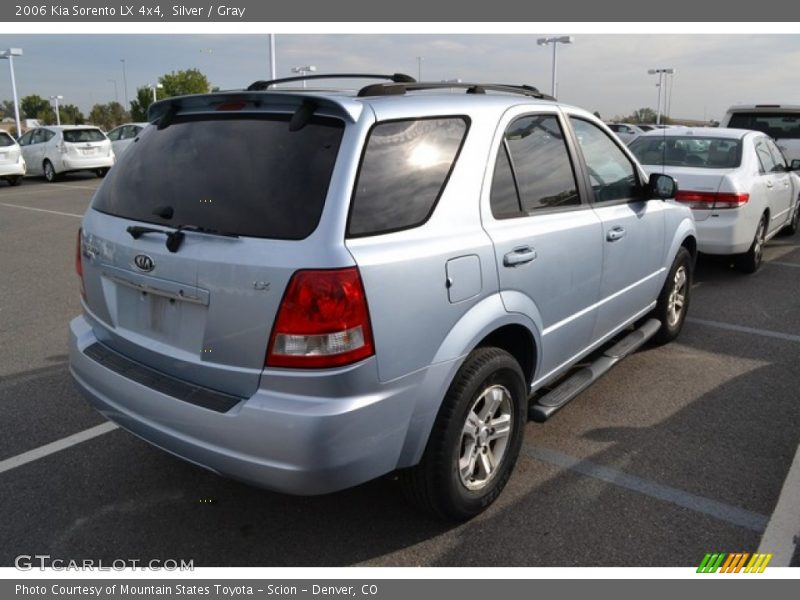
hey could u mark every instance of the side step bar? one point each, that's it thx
(558, 397)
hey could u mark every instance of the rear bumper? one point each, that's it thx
(84, 164)
(730, 232)
(10, 169)
(300, 433)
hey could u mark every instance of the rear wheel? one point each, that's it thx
(750, 261)
(476, 439)
(49, 171)
(673, 301)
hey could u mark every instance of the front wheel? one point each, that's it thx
(673, 301)
(475, 440)
(750, 261)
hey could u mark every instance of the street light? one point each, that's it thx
(303, 71)
(116, 95)
(564, 39)
(58, 114)
(10, 53)
(124, 81)
(154, 87)
(661, 73)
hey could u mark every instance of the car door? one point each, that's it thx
(782, 187)
(545, 236)
(774, 183)
(632, 234)
(26, 145)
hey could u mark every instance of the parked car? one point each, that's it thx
(308, 290)
(627, 132)
(780, 122)
(12, 165)
(123, 136)
(737, 183)
(53, 150)
(646, 127)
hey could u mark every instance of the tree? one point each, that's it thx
(643, 115)
(597, 114)
(71, 115)
(7, 108)
(32, 106)
(180, 83)
(108, 116)
(144, 98)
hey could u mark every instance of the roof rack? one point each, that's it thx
(399, 88)
(395, 78)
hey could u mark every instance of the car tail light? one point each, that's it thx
(79, 262)
(709, 200)
(323, 321)
(62, 147)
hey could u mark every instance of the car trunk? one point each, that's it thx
(695, 180)
(86, 143)
(203, 311)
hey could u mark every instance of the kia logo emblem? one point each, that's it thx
(143, 262)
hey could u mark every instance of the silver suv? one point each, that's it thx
(306, 290)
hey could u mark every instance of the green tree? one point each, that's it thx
(144, 98)
(643, 115)
(7, 108)
(33, 105)
(71, 115)
(108, 116)
(180, 83)
(597, 114)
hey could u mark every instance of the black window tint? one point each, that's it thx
(504, 197)
(237, 173)
(6, 140)
(403, 171)
(541, 163)
(775, 124)
(75, 136)
(612, 175)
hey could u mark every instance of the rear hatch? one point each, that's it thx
(203, 311)
(85, 142)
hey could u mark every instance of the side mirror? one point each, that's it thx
(661, 186)
(795, 166)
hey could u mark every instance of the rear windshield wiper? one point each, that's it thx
(175, 238)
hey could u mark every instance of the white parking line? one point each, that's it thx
(790, 337)
(784, 524)
(44, 210)
(57, 446)
(73, 187)
(781, 263)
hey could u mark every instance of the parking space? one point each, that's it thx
(678, 451)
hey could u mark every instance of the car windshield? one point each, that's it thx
(75, 136)
(244, 174)
(6, 140)
(777, 125)
(704, 152)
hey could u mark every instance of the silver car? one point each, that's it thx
(53, 150)
(306, 290)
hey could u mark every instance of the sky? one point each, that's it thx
(604, 73)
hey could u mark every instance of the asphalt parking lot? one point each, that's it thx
(679, 451)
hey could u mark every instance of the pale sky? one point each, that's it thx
(606, 73)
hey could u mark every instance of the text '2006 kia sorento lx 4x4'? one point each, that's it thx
(308, 290)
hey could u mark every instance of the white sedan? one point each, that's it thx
(121, 137)
(737, 182)
(12, 165)
(627, 132)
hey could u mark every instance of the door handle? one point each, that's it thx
(519, 256)
(615, 234)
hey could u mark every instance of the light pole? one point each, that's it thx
(661, 73)
(563, 39)
(10, 53)
(419, 67)
(272, 56)
(154, 87)
(124, 81)
(116, 95)
(58, 113)
(303, 71)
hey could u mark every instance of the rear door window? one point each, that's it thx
(764, 156)
(245, 174)
(404, 169)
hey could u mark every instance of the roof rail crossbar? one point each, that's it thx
(391, 89)
(395, 78)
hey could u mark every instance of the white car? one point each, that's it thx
(627, 132)
(781, 122)
(121, 137)
(736, 181)
(54, 150)
(12, 165)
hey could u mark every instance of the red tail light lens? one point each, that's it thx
(709, 200)
(323, 321)
(79, 262)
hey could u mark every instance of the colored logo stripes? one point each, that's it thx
(734, 562)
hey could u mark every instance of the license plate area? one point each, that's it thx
(88, 151)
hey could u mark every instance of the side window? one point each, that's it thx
(48, 135)
(764, 156)
(128, 132)
(114, 135)
(777, 157)
(25, 140)
(504, 198)
(403, 171)
(38, 136)
(612, 174)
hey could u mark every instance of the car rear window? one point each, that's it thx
(242, 174)
(6, 140)
(404, 169)
(75, 136)
(704, 152)
(775, 124)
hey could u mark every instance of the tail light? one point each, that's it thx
(62, 147)
(709, 200)
(79, 262)
(323, 321)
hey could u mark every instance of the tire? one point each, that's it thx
(791, 228)
(14, 180)
(101, 172)
(463, 470)
(673, 301)
(750, 261)
(49, 171)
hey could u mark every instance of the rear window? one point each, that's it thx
(75, 136)
(685, 151)
(240, 174)
(403, 172)
(775, 124)
(6, 140)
